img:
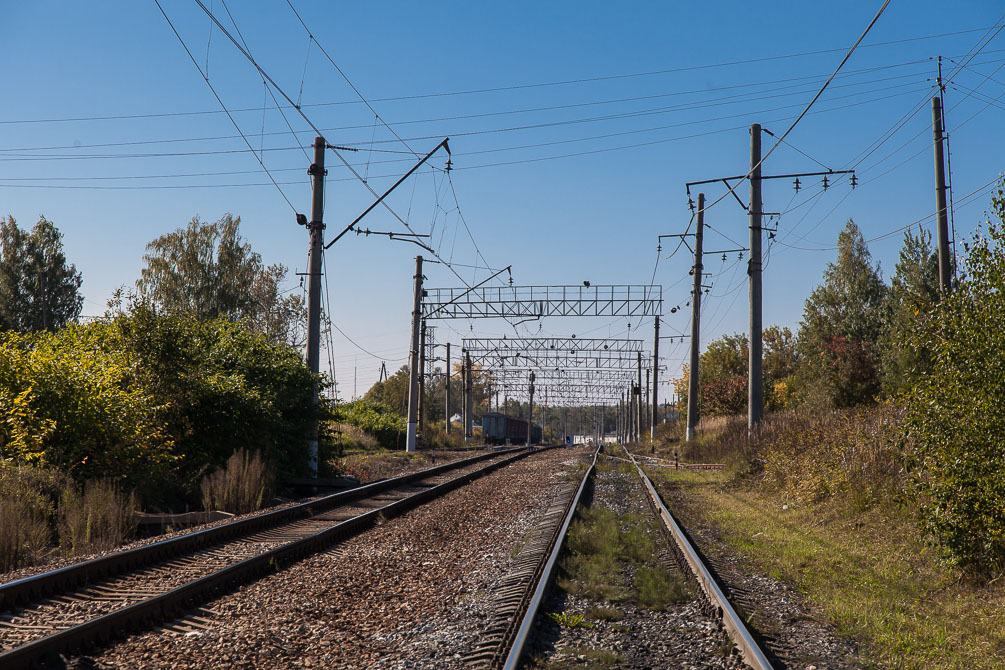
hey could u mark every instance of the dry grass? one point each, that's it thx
(239, 487)
(27, 508)
(100, 518)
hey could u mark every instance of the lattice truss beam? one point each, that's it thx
(560, 376)
(530, 302)
(553, 353)
(529, 344)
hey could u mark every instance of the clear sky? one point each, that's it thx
(574, 127)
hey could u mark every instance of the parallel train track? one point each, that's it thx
(525, 589)
(73, 608)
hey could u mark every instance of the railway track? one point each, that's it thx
(57, 613)
(522, 594)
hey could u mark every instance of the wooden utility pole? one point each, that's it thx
(755, 391)
(692, 373)
(316, 228)
(945, 264)
(413, 361)
(446, 392)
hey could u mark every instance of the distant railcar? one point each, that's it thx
(497, 428)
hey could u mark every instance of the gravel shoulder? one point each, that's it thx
(787, 624)
(414, 592)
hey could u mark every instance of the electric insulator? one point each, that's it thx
(797, 186)
(826, 183)
(724, 258)
(854, 180)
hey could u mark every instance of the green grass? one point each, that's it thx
(869, 573)
(600, 549)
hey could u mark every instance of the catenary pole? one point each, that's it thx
(446, 392)
(413, 367)
(315, 228)
(945, 264)
(755, 391)
(693, 372)
(656, 366)
(421, 422)
(530, 410)
(468, 399)
(638, 401)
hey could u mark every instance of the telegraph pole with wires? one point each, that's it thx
(316, 228)
(755, 389)
(945, 264)
(413, 368)
(755, 212)
(692, 381)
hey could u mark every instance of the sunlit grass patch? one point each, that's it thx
(869, 573)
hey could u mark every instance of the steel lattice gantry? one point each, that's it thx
(554, 353)
(568, 371)
(528, 302)
(551, 343)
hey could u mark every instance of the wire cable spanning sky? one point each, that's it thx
(573, 128)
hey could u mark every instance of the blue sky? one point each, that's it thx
(546, 176)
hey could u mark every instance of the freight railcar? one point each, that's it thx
(497, 428)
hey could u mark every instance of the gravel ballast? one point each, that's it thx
(413, 592)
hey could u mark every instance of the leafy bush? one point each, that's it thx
(955, 424)
(152, 400)
(375, 419)
(69, 400)
(100, 518)
(239, 487)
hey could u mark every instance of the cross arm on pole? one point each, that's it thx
(443, 144)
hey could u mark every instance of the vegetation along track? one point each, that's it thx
(85, 604)
(522, 595)
(748, 647)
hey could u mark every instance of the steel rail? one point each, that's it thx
(53, 582)
(534, 604)
(751, 652)
(170, 604)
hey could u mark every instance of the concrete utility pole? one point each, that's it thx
(446, 392)
(945, 264)
(468, 400)
(648, 409)
(530, 410)
(422, 380)
(656, 368)
(316, 228)
(755, 391)
(413, 367)
(692, 380)
(638, 405)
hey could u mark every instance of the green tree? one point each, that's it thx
(954, 422)
(843, 321)
(914, 291)
(207, 270)
(38, 289)
(781, 361)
